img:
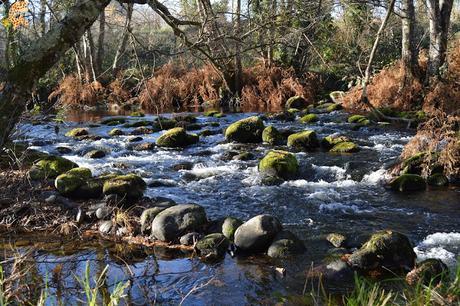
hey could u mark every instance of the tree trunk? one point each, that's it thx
(238, 65)
(409, 54)
(439, 12)
(100, 43)
(39, 57)
(42, 17)
(124, 40)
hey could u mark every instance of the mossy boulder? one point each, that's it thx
(162, 123)
(247, 130)
(408, 183)
(428, 272)
(271, 135)
(69, 182)
(113, 121)
(77, 132)
(137, 114)
(94, 154)
(358, 119)
(257, 234)
(93, 187)
(149, 214)
(305, 140)
(213, 246)
(139, 123)
(385, 251)
(285, 245)
(116, 132)
(175, 221)
(128, 186)
(211, 113)
(333, 107)
(438, 180)
(50, 167)
(185, 118)
(309, 118)
(229, 227)
(176, 138)
(413, 164)
(279, 164)
(296, 102)
(282, 116)
(293, 111)
(345, 147)
(330, 141)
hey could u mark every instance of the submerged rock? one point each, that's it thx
(385, 251)
(296, 102)
(176, 138)
(77, 132)
(428, 272)
(282, 116)
(173, 222)
(183, 166)
(213, 246)
(279, 164)
(309, 118)
(335, 274)
(69, 182)
(408, 182)
(284, 245)
(272, 136)
(305, 140)
(345, 147)
(130, 186)
(256, 234)
(247, 130)
(438, 180)
(50, 167)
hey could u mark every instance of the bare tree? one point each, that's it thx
(409, 52)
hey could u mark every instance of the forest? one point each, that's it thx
(229, 152)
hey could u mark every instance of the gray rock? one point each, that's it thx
(103, 212)
(95, 154)
(257, 234)
(106, 227)
(173, 222)
(229, 227)
(149, 214)
(284, 245)
(190, 238)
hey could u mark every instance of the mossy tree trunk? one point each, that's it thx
(36, 60)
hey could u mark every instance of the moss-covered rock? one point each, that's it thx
(358, 119)
(113, 121)
(116, 132)
(408, 182)
(185, 118)
(247, 130)
(77, 132)
(296, 102)
(345, 147)
(50, 167)
(279, 164)
(211, 113)
(69, 182)
(229, 227)
(330, 141)
(93, 187)
(271, 135)
(176, 138)
(309, 118)
(281, 116)
(139, 123)
(213, 246)
(137, 114)
(428, 272)
(334, 107)
(413, 164)
(438, 180)
(162, 123)
(94, 154)
(385, 251)
(305, 140)
(285, 245)
(129, 186)
(149, 214)
(293, 111)
(337, 240)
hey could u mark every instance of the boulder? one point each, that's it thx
(185, 118)
(305, 140)
(333, 107)
(94, 154)
(385, 251)
(64, 150)
(243, 156)
(335, 274)
(190, 238)
(137, 114)
(116, 132)
(146, 146)
(137, 124)
(337, 240)
(113, 121)
(69, 182)
(408, 183)
(135, 139)
(106, 227)
(210, 113)
(142, 130)
(229, 227)
(50, 167)
(93, 187)
(247, 130)
(176, 138)
(162, 123)
(213, 246)
(272, 136)
(296, 102)
(438, 180)
(428, 272)
(130, 186)
(285, 245)
(282, 116)
(149, 214)
(279, 164)
(345, 147)
(256, 234)
(77, 132)
(309, 118)
(330, 141)
(173, 222)
(359, 119)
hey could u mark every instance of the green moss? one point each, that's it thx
(50, 167)
(334, 107)
(305, 140)
(176, 138)
(77, 132)
(271, 135)
(137, 114)
(211, 113)
(92, 188)
(113, 121)
(219, 115)
(229, 227)
(247, 130)
(130, 186)
(293, 110)
(138, 124)
(70, 181)
(408, 182)
(213, 246)
(309, 118)
(116, 132)
(330, 141)
(358, 119)
(279, 164)
(345, 147)
(296, 102)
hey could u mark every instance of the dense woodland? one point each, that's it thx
(393, 63)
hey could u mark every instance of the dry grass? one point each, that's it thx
(72, 92)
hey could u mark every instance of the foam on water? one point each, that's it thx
(443, 246)
(376, 177)
(353, 209)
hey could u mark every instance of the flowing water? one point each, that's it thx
(334, 193)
